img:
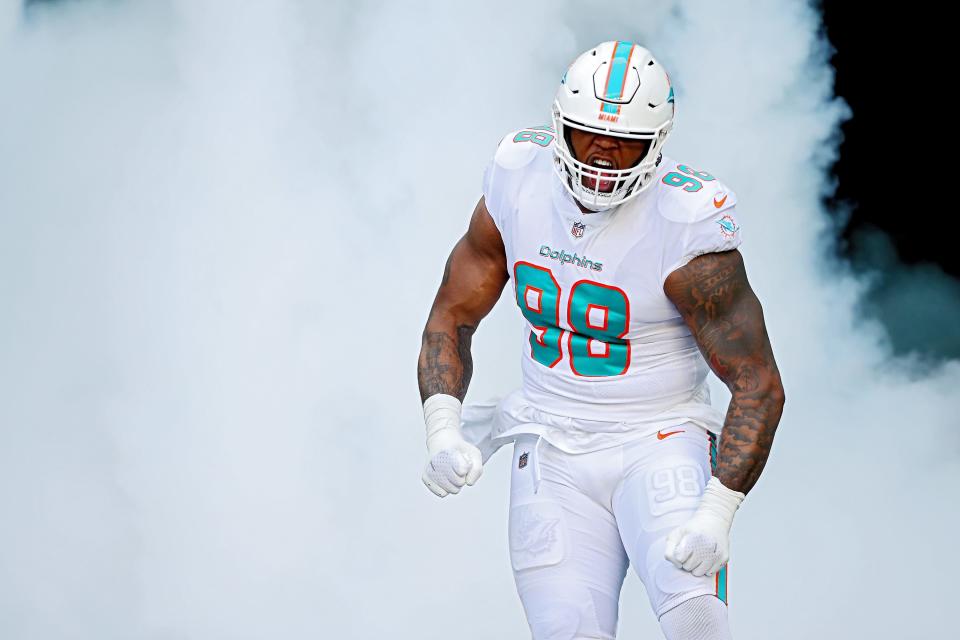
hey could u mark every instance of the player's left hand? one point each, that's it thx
(702, 544)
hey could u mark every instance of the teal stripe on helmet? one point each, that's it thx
(618, 72)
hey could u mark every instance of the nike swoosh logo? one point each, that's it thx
(719, 203)
(663, 436)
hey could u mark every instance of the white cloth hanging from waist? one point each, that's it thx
(491, 424)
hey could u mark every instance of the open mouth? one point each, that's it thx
(604, 178)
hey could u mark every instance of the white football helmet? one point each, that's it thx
(617, 89)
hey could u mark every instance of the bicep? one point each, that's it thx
(724, 315)
(476, 270)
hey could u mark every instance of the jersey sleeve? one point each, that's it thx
(700, 222)
(504, 173)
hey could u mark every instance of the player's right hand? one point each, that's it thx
(452, 461)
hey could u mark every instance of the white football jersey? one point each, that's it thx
(605, 355)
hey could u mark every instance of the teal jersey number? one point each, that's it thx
(600, 317)
(702, 175)
(538, 296)
(598, 314)
(542, 136)
(691, 182)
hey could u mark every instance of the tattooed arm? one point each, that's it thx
(475, 274)
(723, 313)
(473, 278)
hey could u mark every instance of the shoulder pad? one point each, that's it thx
(689, 195)
(519, 153)
(519, 148)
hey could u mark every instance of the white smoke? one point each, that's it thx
(221, 227)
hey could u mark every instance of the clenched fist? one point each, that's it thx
(702, 544)
(452, 461)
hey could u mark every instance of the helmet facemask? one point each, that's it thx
(628, 182)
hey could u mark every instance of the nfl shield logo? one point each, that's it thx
(577, 229)
(523, 460)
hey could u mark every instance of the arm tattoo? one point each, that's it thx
(446, 364)
(725, 317)
(473, 278)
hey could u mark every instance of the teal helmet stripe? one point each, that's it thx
(617, 76)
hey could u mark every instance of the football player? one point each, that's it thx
(625, 267)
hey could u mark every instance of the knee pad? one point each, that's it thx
(557, 623)
(701, 618)
(666, 585)
(570, 615)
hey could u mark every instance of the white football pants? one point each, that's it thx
(577, 520)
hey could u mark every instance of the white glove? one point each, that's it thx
(702, 544)
(452, 461)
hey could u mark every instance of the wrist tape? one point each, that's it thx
(441, 411)
(720, 501)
